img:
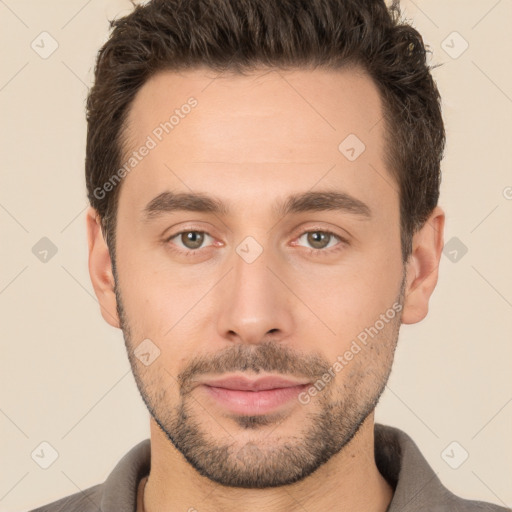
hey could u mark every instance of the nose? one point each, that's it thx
(255, 304)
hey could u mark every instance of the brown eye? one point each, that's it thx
(321, 242)
(192, 239)
(318, 239)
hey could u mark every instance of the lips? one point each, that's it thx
(261, 384)
(244, 396)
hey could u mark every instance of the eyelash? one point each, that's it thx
(325, 252)
(310, 252)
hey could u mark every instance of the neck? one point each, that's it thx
(348, 481)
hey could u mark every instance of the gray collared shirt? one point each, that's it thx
(416, 486)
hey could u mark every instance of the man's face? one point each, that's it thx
(250, 289)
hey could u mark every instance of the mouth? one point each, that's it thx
(244, 396)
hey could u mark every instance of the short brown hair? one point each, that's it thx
(241, 35)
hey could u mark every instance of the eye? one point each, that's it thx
(189, 240)
(319, 240)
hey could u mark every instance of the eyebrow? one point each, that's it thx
(168, 202)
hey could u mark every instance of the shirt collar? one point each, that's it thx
(416, 486)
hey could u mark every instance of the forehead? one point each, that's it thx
(268, 128)
(263, 106)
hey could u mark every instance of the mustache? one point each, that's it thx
(265, 357)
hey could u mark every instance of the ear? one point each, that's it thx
(422, 267)
(100, 269)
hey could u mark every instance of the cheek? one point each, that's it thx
(160, 297)
(171, 308)
(368, 355)
(354, 294)
(359, 305)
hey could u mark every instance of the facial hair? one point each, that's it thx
(272, 461)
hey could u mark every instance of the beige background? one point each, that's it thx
(65, 375)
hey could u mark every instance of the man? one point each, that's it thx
(264, 178)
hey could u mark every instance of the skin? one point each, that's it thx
(251, 141)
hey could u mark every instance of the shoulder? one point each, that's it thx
(117, 493)
(417, 487)
(88, 500)
(444, 500)
(455, 504)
